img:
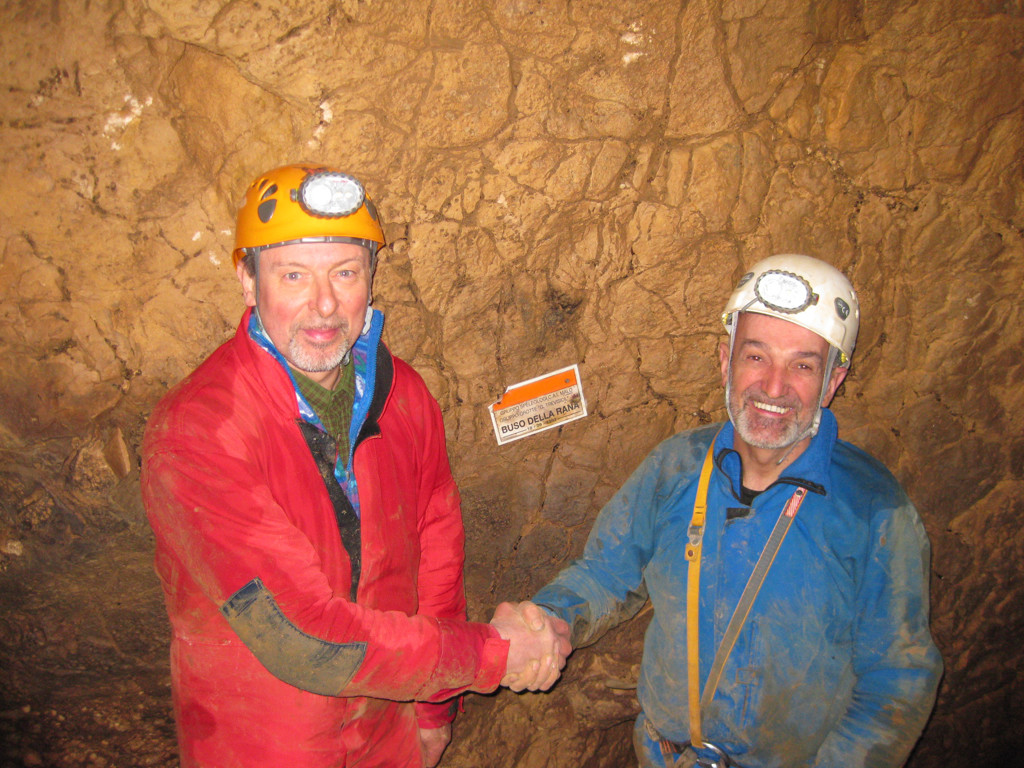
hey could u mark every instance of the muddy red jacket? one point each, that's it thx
(273, 662)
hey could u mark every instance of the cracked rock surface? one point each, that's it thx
(561, 183)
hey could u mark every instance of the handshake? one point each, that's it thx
(538, 645)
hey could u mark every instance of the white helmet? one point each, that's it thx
(802, 290)
(805, 291)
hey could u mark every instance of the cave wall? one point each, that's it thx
(561, 182)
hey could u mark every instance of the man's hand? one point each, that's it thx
(538, 645)
(433, 742)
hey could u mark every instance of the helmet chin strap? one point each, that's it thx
(255, 252)
(368, 318)
(367, 322)
(733, 323)
(812, 428)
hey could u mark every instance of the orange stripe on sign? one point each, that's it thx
(541, 386)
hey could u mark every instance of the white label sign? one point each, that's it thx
(542, 403)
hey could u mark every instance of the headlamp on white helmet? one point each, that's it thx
(784, 291)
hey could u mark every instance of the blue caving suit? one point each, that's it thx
(835, 665)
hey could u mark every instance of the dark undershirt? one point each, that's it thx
(747, 496)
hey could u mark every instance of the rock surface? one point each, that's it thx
(561, 183)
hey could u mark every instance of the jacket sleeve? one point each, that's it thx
(218, 521)
(440, 586)
(605, 587)
(896, 664)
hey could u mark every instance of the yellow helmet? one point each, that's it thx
(306, 202)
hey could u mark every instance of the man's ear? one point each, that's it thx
(723, 359)
(248, 284)
(838, 374)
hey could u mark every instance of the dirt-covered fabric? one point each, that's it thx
(243, 522)
(835, 665)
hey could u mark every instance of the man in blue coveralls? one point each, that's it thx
(787, 569)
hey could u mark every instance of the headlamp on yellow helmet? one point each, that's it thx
(330, 194)
(306, 203)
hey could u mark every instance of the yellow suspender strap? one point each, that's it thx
(693, 552)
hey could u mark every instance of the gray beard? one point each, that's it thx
(749, 429)
(316, 360)
(763, 433)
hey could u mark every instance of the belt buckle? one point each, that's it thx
(720, 760)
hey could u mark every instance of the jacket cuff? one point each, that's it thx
(473, 657)
(494, 661)
(429, 715)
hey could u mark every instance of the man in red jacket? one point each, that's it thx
(308, 531)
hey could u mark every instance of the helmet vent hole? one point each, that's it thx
(266, 210)
(269, 191)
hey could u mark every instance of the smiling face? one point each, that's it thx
(777, 373)
(312, 302)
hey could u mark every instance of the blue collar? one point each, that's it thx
(810, 470)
